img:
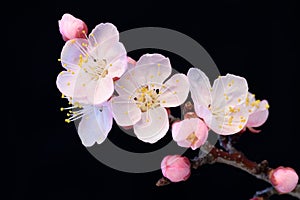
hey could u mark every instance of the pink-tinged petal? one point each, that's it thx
(259, 116)
(72, 53)
(95, 126)
(125, 111)
(104, 33)
(284, 179)
(71, 27)
(131, 62)
(100, 91)
(175, 91)
(191, 132)
(116, 60)
(153, 126)
(200, 87)
(67, 83)
(176, 168)
(229, 90)
(229, 121)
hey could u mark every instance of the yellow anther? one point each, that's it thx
(158, 64)
(247, 101)
(158, 73)
(61, 109)
(249, 110)
(73, 41)
(239, 100)
(243, 120)
(67, 120)
(83, 84)
(68, 84)
(151, 76)
(110, 64)
(163, 101)
(92, 34)
(174, 92)
(240, 126)
(73, 73)
(83, 31)
(177, 81)
(126, 113)
(267, 106)
(192, 138)
(64, 64)
(59, 60)
(62, 96)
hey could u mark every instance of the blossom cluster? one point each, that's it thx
(103, 84)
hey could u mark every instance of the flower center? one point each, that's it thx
(192, 138)
(96, 68)
(146, 98)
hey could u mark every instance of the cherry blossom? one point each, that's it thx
(144, 94)
(191, 132)
(70, 27)
(222, 105)
(91, 65)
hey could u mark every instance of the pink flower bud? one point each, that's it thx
(176, 168)
(257, 198)
(284, 179)
(71, 27)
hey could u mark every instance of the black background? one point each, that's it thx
(256, 40)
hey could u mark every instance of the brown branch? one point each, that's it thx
(239, 160)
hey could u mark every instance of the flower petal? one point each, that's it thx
(229, 90)
(174, 91)
(125, 112)
(100, 91)
(104, 32)
(71, 53)
(151, 68)
(95, 126)
(228, 122)
(67, 83)
(200, 87)
(190, 133)
(153, 126)
(116, 59)
(259, 116)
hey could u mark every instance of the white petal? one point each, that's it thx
(100, 91)
(104, 32)
(153, 126)
(174, 91)
(126, 112)
(200, 87)
(68, 84)
(95, 126)
(151, 68)
(70, 54)
(229, 121)
(229, 90)
(116, 60)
